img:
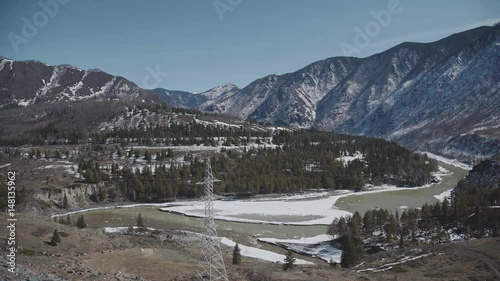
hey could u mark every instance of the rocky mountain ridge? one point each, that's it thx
(196, 100)
(440, 96)
(25, 83)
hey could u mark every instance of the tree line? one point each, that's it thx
(303, 161)
(471, 212)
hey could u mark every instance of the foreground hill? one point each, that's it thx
(88, 254)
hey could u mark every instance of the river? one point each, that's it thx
(246, 232)
(393, 200)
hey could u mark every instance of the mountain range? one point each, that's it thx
(196, 101)
(441, 96)
(26, 83)
(40, 102)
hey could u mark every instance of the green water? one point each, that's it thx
(245, 232)
(393, 200)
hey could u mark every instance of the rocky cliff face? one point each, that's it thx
(78, 196)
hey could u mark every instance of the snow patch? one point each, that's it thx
(317, 246)
(453, 162)
(23, 102)
(348, 158)
(389, 266)
(3, 62)
(444, 195)
(260, 254)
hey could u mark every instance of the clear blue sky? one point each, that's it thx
(200, 50)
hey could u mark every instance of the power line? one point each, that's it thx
(211, 264)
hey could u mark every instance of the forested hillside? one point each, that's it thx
(255, 162)
(471, 212)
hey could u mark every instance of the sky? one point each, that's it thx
(195, 45)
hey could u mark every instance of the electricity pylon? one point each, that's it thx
(211, 265)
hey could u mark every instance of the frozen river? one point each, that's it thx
(282, 217)
(292, 216)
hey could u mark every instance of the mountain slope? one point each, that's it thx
(440, 96)
(289, 99)
(179, 98)
(26, 83)
(192, 100)
(40, 102)
(420, 92)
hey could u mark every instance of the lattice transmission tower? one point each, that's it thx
(211, 265)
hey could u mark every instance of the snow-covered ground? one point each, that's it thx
(122, 229)
(274, 211)
(246, 251)
(389, 266)
(4, 166)
(303, 210)
(317, 246)
(443, 195)
(300, 196)
(218, 148)
(257, 253)
(453, 162)
(348, 158)
(303, 240)
(69, 168)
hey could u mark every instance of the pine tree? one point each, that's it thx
(367, 221)
(55, 238)
(388, 233)
(147, 156)
(68, 220)
(355, 224)
(348, 256)
(352, 251)
(140, 222)
(494, 226)
(289, 262)
(401, 238)
(65, 201)
(80, 223)
(445, 206)
(236, 254)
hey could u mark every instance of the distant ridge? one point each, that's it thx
(440, 96)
